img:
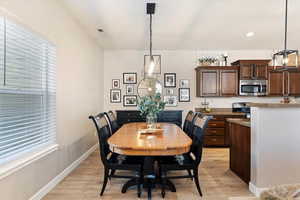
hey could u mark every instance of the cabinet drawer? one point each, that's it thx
(214, 141)
(215, 131)
(216, 124)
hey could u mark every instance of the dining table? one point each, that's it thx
(132, 140)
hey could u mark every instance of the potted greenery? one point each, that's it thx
(150, 106)
(207, 61)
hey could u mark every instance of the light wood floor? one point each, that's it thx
(217, 182)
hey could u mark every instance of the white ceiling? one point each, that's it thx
(189, 24)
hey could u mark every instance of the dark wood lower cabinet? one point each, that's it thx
(240, 150)
(216, 134)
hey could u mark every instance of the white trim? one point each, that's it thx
(47, 188)
(27, 159)
(256, 190)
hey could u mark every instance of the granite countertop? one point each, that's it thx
(275, 105)
(242, 122)
(220, 111)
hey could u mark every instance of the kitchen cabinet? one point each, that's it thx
(240, 150)
(216, 81)
(216, 133)
(253, 69)
(284, 83)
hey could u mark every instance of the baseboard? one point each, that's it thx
(47, 188)
(256, 190)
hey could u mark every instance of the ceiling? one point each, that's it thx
(189, 24)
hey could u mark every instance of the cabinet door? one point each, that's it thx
(276, 83)
(261, 71)
(209, 81)
(246, 72)
(228, 83)
(293, 83)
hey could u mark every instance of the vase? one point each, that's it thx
(151, 120)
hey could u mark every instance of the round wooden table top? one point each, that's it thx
(128, 141)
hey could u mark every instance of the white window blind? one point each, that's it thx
(27, 90)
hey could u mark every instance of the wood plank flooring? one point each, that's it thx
(217, 182)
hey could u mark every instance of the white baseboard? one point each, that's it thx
(256, 190)
(47, 188)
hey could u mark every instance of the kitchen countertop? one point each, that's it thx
(220, 111)
(275, 105)
(242, 122)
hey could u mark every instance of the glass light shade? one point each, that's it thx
(286, 58)
(149, 87)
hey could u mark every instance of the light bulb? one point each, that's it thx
(285, 60)
(151, 66)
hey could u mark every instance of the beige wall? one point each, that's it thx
(79, 92)
(180, 62)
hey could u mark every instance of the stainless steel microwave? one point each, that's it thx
(253, 87)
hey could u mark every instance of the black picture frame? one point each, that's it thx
(129, 105)
(166, 84)
(112, 83)
(147, 60)
(129, 86)
(180, 97)
(130, 73)
(111, 95)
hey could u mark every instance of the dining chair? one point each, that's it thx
(112, 121)
(190, 160)
(110, 160)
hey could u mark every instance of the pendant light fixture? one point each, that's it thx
(283, 57)
(150, 85)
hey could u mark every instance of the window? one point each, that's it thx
(27, 91)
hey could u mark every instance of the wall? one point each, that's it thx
(79, 93)
(180, 62)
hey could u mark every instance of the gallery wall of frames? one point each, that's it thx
(128, 98)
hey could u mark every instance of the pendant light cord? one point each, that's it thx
(150, 36)
(286, 21)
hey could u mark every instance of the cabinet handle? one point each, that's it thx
(214, 140)
(213, 124)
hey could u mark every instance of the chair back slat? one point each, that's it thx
(199, 125)
(188, 123)
(103, 130)
(112, 121)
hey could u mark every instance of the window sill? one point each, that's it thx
(26, 159)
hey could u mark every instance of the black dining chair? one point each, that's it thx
(188, 123)
(190, 160)
(110, 160)
(112, 121)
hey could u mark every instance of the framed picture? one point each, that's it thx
(171, 101)
(115, 83)
(157, 61)
(184, 83)
(170, 80)
(169, 91)
(129, 100)
(115, 96)
(129, 78)
(130, 89)
(184, 94)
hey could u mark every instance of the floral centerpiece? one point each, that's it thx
(150, 106)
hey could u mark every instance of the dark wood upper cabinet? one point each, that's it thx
(293, 83)
(276, 83)
(284, 83)
(209, 83)
(216, 81)
(229, 82)
(253, 69)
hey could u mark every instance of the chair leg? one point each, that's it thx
(163, 184)
(139, 182)
(112, 172)
(106, 174)
(190, 174)
(196, 179)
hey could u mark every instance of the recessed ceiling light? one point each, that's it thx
(250, 34)
(100, 30)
